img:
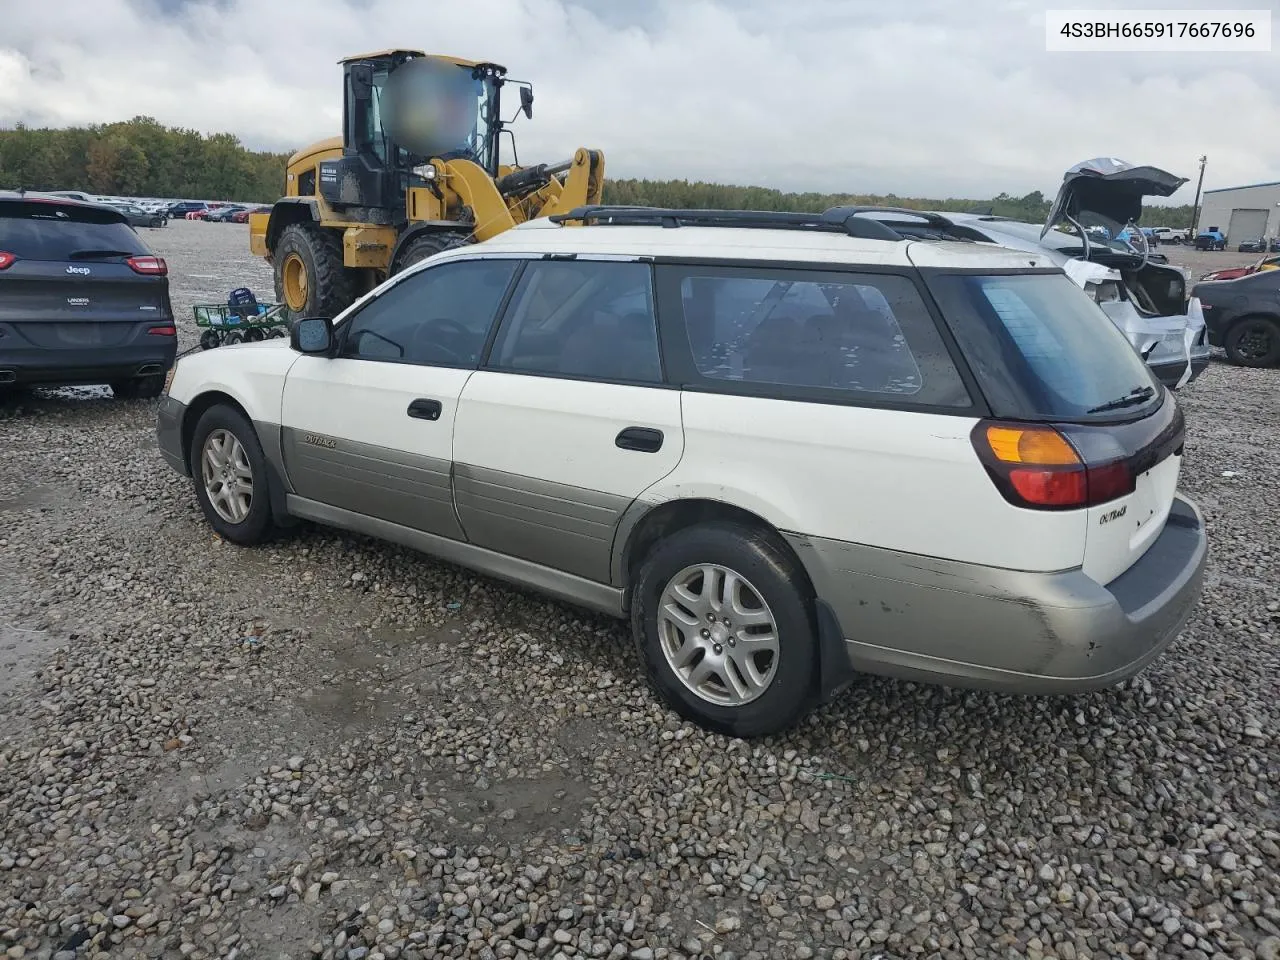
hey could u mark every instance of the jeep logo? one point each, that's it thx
(82, 271)
(318, 441)
(1112, 515)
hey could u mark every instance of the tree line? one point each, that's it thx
(141, 157)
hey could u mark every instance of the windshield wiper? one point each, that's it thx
(1131, 399)
(95, 254)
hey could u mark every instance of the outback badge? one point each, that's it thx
(1115, 514)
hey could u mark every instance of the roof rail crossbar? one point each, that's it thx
(847, 220)
(842, 214)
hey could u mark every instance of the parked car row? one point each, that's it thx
(157, 213)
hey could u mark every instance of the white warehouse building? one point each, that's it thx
(1242, 213)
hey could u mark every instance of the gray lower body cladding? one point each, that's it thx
(566, 527)
(407, 489)
(966, 625)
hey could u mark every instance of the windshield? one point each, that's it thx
(38, 231)
(435, 109)
(1042, 349)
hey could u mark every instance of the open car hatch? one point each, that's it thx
(1109, 191)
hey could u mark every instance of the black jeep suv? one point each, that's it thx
(82, 299)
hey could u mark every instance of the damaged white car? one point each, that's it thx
(1146, 300)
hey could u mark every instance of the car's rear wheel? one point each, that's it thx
(724, 631)
(230, 474)
(138, 388)
(1254, 342)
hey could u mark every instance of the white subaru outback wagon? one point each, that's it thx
(788, 447)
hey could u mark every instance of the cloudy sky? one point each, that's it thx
(915, 97)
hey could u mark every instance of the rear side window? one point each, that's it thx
(850, 336)
(37, 231)
(582, 318)
(1041, 348)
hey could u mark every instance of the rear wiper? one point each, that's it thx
(1131, 399)
(95, 254)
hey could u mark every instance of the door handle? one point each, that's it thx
(424, 409)
(643, 439)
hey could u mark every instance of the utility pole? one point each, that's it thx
(1195, 209)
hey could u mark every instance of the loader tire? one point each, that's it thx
(310, 277)
(428, 245)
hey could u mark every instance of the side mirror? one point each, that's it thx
(526, 101)
(312, 335)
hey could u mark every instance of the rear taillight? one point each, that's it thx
(1035, 466)
(6, 259)
(151, 266)
(166, 331)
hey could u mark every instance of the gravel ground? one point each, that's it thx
(334, 747)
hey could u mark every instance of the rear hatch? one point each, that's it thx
(1108, 193)
(76, 276)
(1079, 423)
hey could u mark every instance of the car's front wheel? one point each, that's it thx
(725, 631)
(230, 473)
(1254, 342)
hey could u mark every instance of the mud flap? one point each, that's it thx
(834, 670)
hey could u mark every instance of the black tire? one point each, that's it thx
(232, 336)
(771, 573)
(276, 332)
(428, 245)
(1253, 342)
(257, 524)
(253, 335)
(330, 285)
(139, 388)
(209, 339)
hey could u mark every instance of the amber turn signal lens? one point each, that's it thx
(1036, 446)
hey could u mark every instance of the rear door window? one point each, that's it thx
(37, 231)
(851, 337)
(583, 319)
(1041, 348)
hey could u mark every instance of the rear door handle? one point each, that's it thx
(643, 439)
(424, 409)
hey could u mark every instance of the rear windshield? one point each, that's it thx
(39, 231)
(1041, 348)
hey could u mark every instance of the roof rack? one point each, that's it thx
(847, 220)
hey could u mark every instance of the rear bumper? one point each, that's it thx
(1033, 633)
(63, 366)
(1170, 373)
(169, 433)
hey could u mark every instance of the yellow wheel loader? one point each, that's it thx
(416, 171)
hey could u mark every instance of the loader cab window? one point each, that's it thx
(364, 120)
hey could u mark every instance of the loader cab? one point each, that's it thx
(387, 133)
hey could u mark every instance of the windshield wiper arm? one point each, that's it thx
(1131, 399)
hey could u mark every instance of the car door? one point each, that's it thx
(569, 420)
(370, 430)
